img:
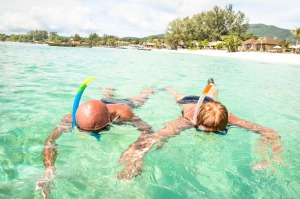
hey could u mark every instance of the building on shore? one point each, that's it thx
(261, 45)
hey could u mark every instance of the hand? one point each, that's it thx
(131, 170)
(261, 165)
(43, 182)
(67, 119)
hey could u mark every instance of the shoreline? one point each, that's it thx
(282, 58)
(277, 58)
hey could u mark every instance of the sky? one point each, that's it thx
(134, 18)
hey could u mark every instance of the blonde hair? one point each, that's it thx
(213, 116)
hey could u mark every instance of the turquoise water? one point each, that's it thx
(37, 88)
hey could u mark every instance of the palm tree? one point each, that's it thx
(284, 44)
(296, 33)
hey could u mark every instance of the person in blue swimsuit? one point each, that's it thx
(213, 117)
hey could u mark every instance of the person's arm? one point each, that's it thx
(50, 153)
(132, 158)
(175, 127)
(141, 125)
(267, 132)
(272, 142)
(121, 113)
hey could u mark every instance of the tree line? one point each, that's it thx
(215, 25)
(218, 24)
(42, 36)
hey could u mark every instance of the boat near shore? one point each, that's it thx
(145, 48)
(72, 44)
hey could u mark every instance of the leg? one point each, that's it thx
(142, 98)
(108, 92)
(213, 92)
(176, 95)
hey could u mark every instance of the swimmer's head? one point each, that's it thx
(213, 116)
(92, 116)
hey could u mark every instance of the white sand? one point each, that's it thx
(284, 58)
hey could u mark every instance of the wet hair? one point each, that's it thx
(213, 116)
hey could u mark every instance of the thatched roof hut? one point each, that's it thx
(267, 41)
(250, 42)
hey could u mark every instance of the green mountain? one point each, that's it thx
(262, 30)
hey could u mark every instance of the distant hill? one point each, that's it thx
(270, 31)
(159, 35)
(261, 30)
(144, 38)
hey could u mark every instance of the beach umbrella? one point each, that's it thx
(277, 47)
(292, 46)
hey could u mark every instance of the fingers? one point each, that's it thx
(130, 170)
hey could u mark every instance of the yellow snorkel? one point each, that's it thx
(200, 102)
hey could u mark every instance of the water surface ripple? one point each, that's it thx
(37, 87)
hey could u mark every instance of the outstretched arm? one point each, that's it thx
(132, 158)
(121, 113)
(175, 127)
(141, 125)
(272, 140)
(268, 133)
(50, 153)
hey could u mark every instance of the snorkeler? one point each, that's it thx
(93, 116)
(212, 117)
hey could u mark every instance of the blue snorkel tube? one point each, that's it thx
(78, 97)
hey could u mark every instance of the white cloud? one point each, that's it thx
(49, 18)
(131, 17)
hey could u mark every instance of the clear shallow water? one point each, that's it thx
(37, 87)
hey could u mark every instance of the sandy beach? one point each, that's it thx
(283, 58)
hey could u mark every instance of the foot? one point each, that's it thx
(210, 80)
(108, 92)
